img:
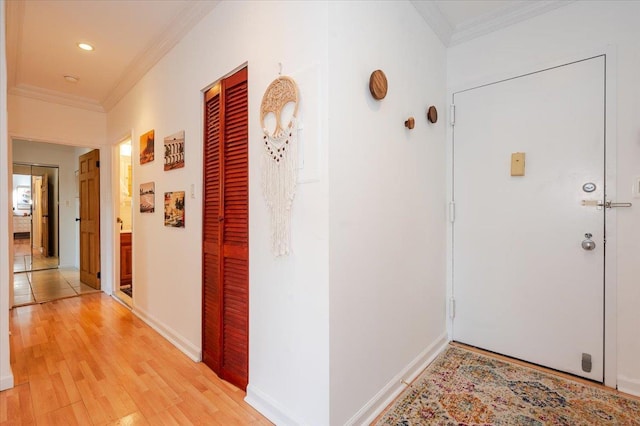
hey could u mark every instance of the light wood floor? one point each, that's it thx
(89, 361)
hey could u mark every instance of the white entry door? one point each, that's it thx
(523, 284)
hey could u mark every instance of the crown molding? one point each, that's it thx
(483, 24)
(55, 97)
(435, 19)
(503, 17)
(14, 20)
(160, 46)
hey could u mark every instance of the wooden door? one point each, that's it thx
(44, 215)
(126, 266)
(524, 285)
(225, 335)
(89, 185)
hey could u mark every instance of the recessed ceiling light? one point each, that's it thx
(85, 46)
(71, 78)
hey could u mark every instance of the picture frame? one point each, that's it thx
(23, 193)
(174, 151)
(174, 209)
(147, 147)
(148, 197)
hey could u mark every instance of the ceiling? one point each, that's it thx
(130, 36)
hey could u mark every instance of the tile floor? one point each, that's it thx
(51, 284)
(26, 259)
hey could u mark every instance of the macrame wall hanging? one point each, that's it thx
(280, 160)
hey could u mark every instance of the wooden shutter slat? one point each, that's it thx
(211, 293)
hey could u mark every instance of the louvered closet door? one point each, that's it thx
(226, 230)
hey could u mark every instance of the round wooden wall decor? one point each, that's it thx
(432, 114)
(378, 85)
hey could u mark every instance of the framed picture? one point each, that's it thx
(147, 151)
(148, 197)
(174, 209)
(24, 197)
(174, 151)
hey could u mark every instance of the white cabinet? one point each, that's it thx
(21, 224)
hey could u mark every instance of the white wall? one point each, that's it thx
(33, 119)
(289, 326)
(64, 157)
(387, 204)
(583, 26)
(6, 278)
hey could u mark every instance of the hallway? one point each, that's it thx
(89, 361)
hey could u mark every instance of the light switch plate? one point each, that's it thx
(636, 187)
(517, 164)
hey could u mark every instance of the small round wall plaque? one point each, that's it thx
(378, 85)
(432, 114)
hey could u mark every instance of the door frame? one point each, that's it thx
(107, 220)
(610, 276)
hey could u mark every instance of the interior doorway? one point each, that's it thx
(46, 227)
(124, 222)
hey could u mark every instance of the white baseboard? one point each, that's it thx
(628, 385)
(6, 382)
(171, 335)
(268, 407)
(367, 414)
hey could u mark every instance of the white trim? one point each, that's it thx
(611, 283)
(268, 407)
(503, 17)
(628, 385)
(117, 298)
(193, 12)
(6, 382)
(438, 23)
(386, 395)
(55, 97)
(611, 251)
(499, 18)
(6, 224)
(171, 335)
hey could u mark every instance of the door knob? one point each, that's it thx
(588, 243)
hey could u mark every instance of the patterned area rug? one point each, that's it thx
(465, 388)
